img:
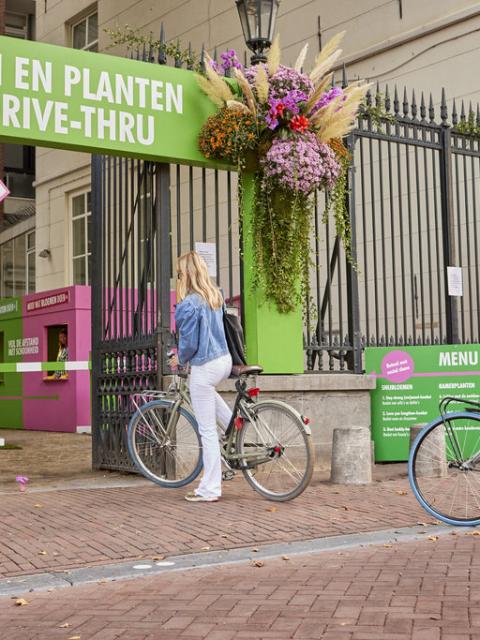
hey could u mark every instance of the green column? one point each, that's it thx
(274, 340)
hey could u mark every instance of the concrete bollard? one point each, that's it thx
(351, 456)
(431, 460)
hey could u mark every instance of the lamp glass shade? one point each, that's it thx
(258, 21)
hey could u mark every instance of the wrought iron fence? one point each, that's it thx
(414, 210)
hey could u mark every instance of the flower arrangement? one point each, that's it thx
(293, 123)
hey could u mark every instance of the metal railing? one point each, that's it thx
(414, 211)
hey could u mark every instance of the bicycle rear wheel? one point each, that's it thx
(444, 471)
(171, 459)
(277, 453)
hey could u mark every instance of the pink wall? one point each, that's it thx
(59, 405)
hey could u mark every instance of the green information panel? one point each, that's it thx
(411, 382)
(57, 97)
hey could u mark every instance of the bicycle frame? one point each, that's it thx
(179, 393)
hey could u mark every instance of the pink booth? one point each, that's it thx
(57, 400)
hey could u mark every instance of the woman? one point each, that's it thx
(202, 343)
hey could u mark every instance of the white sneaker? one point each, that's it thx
(193, 497)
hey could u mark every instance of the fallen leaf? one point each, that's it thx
(388, 546)
(102, 581)
(205, 549)
(258, 563)
(272, 509)
(21, 602)
(432, 538)
(473, 533)
(42, 553)
(255, 549)
(402, 493)
(74, 638)
(38, 506)
(285, 558)
(422, 524)
(158, 558)
(65, 625)
(224, 535)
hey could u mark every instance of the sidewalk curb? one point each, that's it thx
(141, 568)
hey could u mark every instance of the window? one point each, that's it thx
(85, 33)
(81, 208)
(16, 25)
(17, 266)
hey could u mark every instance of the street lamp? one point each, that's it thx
(258, 24)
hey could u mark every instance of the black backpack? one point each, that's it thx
(234, 336)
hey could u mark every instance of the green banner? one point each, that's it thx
(411, 382)
(57, 97)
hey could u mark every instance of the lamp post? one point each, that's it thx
(258, 24)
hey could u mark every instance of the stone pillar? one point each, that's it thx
(431, 460)
(351, 456)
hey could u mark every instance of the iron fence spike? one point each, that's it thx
(405, 102)
(396, 101)
(454, 113)
(443, 108)
(387, 99)
(431, 109)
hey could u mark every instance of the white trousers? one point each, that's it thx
(207, 405)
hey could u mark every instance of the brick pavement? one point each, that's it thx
(41, 531)
(424, 590)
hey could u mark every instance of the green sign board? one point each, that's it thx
(411, 382)
(56, 97)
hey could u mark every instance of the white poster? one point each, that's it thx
(208, 251)
(455, 281)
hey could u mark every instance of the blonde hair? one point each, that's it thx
(192, 277)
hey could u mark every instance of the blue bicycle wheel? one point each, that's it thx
(444, 468)
(167, 452)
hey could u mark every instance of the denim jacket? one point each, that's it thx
(201, 332)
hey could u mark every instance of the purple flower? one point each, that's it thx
(286, 80)
(300, 164)
(228, 59)
(327, 97)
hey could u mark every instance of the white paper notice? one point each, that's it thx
(455, 281)
(208, 251)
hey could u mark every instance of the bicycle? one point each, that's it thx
(444, 464)
(268, 441)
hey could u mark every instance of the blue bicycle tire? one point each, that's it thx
(141, 468)
(466, 522)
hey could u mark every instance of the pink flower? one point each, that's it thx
(301, 164)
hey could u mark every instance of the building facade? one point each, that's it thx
(422, 47)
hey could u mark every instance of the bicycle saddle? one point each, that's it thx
(245, 370)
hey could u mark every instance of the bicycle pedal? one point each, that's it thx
(228, 475)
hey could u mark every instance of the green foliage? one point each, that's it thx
(469, 126)
(281, 228)
(337, 204)
(134, 41)
(376, 110)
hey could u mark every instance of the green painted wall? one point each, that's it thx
(274, 340)
(11, 329)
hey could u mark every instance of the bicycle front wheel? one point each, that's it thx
(276, 451)
(164, 443)
(444, 468)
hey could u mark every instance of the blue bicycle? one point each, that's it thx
(444, 464)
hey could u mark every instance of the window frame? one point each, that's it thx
(85, 216)
(89, 46)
